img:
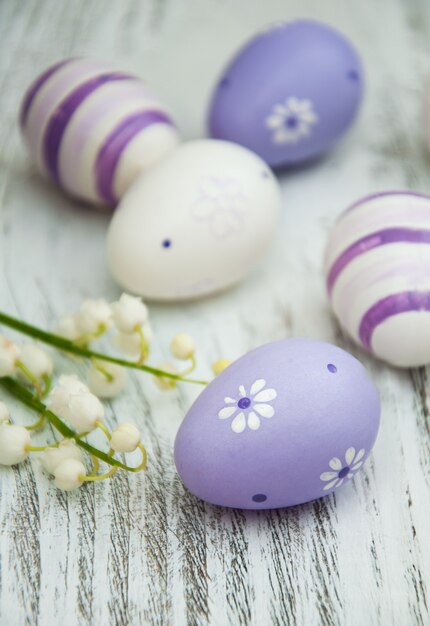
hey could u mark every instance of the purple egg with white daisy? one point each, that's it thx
(92, 130)
(290, 93)
(287, 423)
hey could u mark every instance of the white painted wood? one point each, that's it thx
(139, 549)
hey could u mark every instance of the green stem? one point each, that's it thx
(191, 367)
(94, 477)
(28, 374)
(103, 428)
(27, 398)
(38, 424)
(144, 348)
(103, 371)
(47, 380)
(69, 346)
(96, 465)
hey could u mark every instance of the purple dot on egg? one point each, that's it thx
(343, 472)
(265, 174)
(353, 75)
(259, 497)
(291, 122)
(166, 243)
(332, 368)
(244, 403)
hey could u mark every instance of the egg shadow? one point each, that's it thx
(52, 196)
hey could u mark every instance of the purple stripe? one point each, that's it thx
(389, 306)
(381, 194)
(62, 115)
(110, 152)
(34, 88)
(380, 238)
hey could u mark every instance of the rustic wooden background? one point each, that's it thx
(139, 550)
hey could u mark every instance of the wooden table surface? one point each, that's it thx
(139, 549)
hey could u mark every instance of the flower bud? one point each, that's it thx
(9, 355)
(13, 444)
(220, 365)
(73, 401)
(84, 412)
(68, 474)
(129, 313)
(92, 316)
(36, 360)
(71, 384)
(182, 346)
(52, 457)
(68, 328)
(130, 344)
(4, 413)
(59, 399)
(125, 438)
(106, 386)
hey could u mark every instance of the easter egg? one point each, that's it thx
(285, 424)
(290, 93)
(194, 224)
(91, 130)
(377, 267)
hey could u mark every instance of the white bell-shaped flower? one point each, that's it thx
(125, 438)
(108, 381)
(72, 400)
(9, 355)
(68, 328)
(92, 316)
(36, 360)
(129, 313)
(59, 398)
(130, 343)
(67, 449)
(85, 410)
(69, 474)
(182, 346)
(14, 441)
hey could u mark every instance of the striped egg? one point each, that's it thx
(92, 130)
(377, 269)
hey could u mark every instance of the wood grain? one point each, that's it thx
(140, 550)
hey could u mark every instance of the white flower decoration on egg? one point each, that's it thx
(222, 204)
(292, 120)
(247, 409)
(342, 470)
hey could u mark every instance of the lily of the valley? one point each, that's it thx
(14, 444)
(74, 402)
(9, 356)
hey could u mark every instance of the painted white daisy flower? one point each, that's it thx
(342, 470)
(292, 120)
(249, 407)
(222, 204)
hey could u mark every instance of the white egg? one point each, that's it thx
(194, 224)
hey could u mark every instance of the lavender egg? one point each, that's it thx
(290, 93)
(287, 423)
(378, 275)
(91, 130)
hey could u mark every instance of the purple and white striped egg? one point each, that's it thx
(92, 130)
(377, 268)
